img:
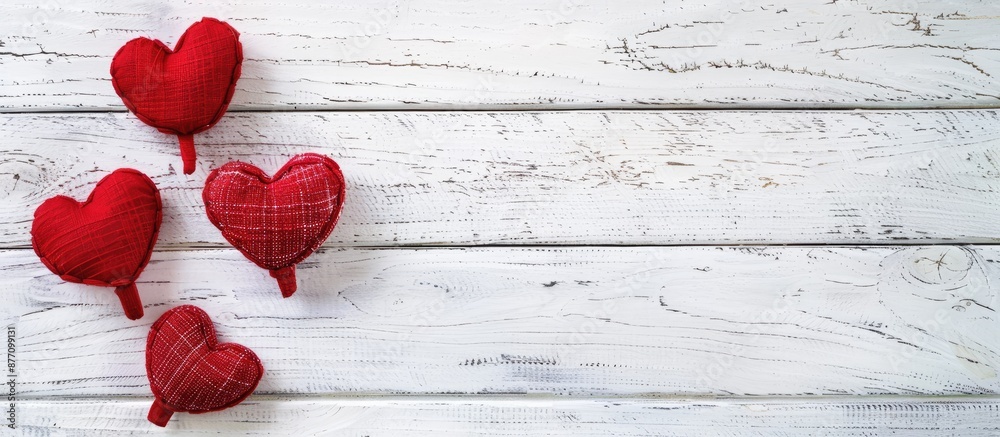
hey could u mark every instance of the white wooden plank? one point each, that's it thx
(563, 178)
(487, 416)
(596, 321)
(55, 54)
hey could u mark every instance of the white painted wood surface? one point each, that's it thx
(574, 321)
(591, 285)
(55, 54)
(489, 416)
(558, 177)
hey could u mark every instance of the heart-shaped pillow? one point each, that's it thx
(182, 91)
(276, 221)
(106, 240)
(189, 371)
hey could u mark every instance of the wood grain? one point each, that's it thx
(480, 178)
(390, 54)
(575, 321)
(486, 416)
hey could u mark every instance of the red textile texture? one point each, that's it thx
(276, 221)
(105, 240)
(189, 371)
(182, 91)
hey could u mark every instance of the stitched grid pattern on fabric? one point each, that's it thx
(107, 239)
(276, 222)
(185, 90)
(189, 371)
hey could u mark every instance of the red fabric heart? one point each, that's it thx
(106, 240)
(189, 371)
(276, 222)
(182, 91)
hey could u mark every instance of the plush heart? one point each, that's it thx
(106, 240)
(182, 91)
(189, 371)
(276, 222)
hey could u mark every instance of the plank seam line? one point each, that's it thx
(542, 108)
(184, 248)
(546, 397)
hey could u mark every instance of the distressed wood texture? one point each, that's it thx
(575, 321)
(425, 178)
(55, 54)
(488, 416)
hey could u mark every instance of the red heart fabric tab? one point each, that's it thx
(276, 221)
(106, 240)
(189, 371)
(182, 91)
